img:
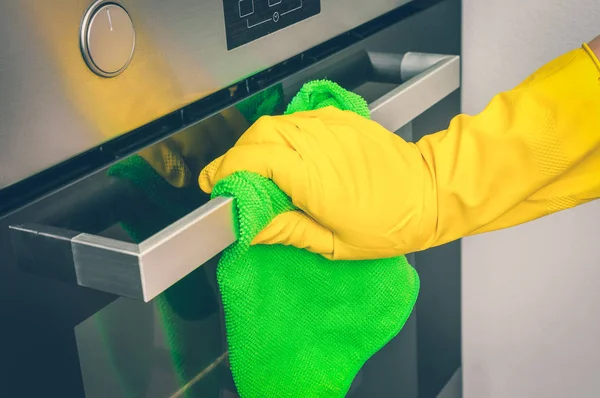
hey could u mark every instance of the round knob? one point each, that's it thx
(107, 39)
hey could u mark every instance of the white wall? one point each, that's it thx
(531, 294)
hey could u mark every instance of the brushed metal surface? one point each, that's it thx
(112, 257)
(187, 244)
(54, 107)
(138, 271)
(128, 269)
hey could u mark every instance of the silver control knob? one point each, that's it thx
(107, 39)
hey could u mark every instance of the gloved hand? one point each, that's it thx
(365, 193)
(362, 183)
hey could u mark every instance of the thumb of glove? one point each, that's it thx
(295, 228)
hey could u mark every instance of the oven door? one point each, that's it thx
(122, 295)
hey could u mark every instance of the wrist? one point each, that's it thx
(594, 45)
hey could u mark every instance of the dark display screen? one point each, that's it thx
(248, 20)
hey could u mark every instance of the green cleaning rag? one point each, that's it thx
(297, 324)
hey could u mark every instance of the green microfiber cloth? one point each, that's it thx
(297, 324)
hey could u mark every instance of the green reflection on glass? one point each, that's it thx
(192, 300)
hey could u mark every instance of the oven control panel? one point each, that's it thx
(248, 20)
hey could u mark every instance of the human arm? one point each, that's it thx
(364, 192)
(533, 151)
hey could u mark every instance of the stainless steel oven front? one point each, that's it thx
(89, 311)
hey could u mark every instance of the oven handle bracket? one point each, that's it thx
(145, 270)
(427, 79)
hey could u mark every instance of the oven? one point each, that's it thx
(90, 311)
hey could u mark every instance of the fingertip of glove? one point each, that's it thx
(204, 185)
(206, 180)
(295, 228)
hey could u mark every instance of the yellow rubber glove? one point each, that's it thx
(533, 151)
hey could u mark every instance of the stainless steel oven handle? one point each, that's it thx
(140, 271)
(143, 271)
(428, 78)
